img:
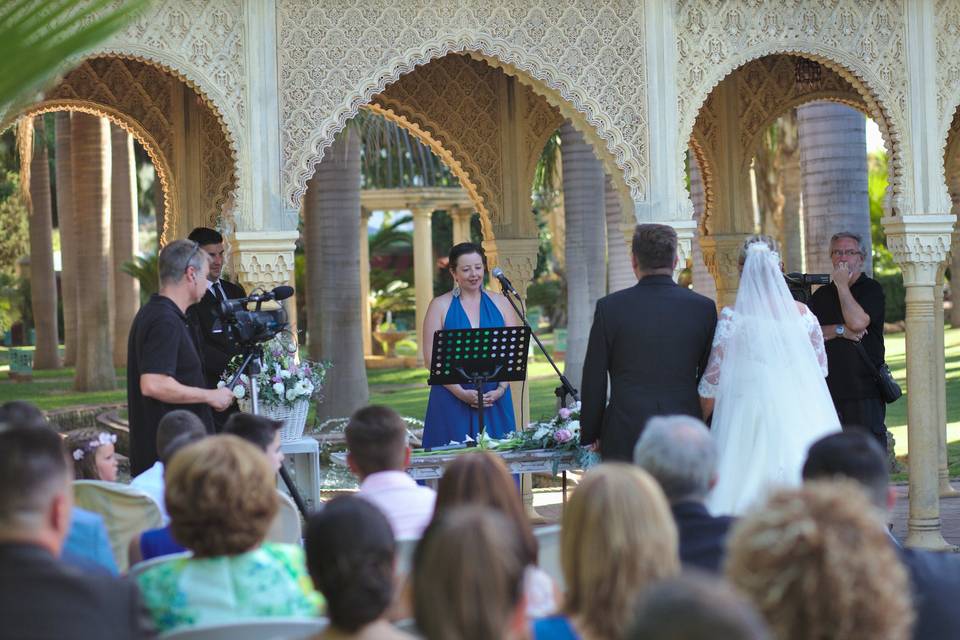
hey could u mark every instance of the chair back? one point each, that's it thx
(263, 629)
(286, 527)
(140, 567)
(126, 512)
(548, 558)
(404, 558)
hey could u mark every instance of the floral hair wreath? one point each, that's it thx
(101, 439)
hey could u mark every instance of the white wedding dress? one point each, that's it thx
(766, 371)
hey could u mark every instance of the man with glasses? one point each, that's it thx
(850, 310)
(164, 370)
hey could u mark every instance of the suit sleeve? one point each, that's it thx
(596, 365)
(711, 320)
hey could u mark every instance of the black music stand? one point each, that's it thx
(475, 357)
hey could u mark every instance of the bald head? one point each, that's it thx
(679, 452)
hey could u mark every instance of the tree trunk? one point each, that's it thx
(68, 238)
(619, 267)
(159, 205)
(124, 237)
(703, 282)
(584, 206)
(833, 161)
(792, 249)
(90, 148)
(43, 279)
(331, 208)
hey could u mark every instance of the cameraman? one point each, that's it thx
(163, 366)
(216, 349)
(850, 310)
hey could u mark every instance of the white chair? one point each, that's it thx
(404, 557)
(263, 629)
(548, 558)
(142, 566)
(286, 526)
(126, 512)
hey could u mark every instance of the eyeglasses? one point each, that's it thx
(196, 249)
(839, 253)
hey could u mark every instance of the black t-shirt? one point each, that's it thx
(162, 342)
(850, 377)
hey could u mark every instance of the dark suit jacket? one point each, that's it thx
(216, 349)
(935, 582)
(41, 597)
(653, 340)
(703, 537)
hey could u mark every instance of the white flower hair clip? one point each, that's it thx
(78, 454)
(101, 439)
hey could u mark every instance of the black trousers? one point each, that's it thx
(864, 413)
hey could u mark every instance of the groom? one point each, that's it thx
(653, 340)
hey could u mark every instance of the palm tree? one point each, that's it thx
(833, 161)
(91, 153)
(331, 208)
(584, 204)
(43, 280)
(68, 237)
(124, 237)
(619, 268)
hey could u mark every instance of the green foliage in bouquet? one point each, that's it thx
(284, 379)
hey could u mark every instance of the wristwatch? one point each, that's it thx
(840, 329)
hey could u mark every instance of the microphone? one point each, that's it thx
(504, 283)
(278, 293)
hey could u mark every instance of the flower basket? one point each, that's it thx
(294, 418)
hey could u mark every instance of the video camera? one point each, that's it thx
(248, 328)
(801, 284)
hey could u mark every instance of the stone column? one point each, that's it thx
(946, 490)
(920, 244)
(721, 255)
(125, 238)
(365, 281)
(422, 269)
(68, 237)
(620, 273)
(703, 282)
(461, 224)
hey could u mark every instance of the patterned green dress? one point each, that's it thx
(270, 581)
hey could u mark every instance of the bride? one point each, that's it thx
(766, 374)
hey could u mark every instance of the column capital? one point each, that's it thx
(263, 258)
(919, 244)
(517, 257)
(421, 211)
(721, 257)
(686, 232)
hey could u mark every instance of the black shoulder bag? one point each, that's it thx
(890, 391)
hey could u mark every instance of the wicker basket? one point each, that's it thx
(294, 418)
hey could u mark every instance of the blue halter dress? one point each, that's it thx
(448, 419)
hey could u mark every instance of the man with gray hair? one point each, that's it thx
(164, 371)
(850, 310)
(679, 452)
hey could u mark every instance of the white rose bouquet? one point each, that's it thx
(284, 379)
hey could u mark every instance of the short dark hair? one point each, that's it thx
(376, 439)
(350, 550)
(20, 413)
(852, 454)
(175, 424)
(205, 235)
(257, 430)
(695, 606)
(33, 466)
(465, 249)
(654, 246)
(178, 443)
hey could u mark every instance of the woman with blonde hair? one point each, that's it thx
(221, 496)
(818, 564)
(617, 538)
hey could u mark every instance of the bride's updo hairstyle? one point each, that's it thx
(754, 239)
(465, 249)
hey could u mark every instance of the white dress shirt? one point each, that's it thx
(407, 505)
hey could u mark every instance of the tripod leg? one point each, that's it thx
(294, 492)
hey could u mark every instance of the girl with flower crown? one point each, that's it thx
(93, 453)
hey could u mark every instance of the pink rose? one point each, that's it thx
(564, 413)
(562, 435)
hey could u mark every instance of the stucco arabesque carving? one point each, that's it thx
(919, 244)
(598, 70)
(948, 67)
(861, 42)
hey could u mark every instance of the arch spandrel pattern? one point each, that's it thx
(948, 63)
(863, 42)
(334, 57)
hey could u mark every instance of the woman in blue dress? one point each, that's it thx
(452, 409)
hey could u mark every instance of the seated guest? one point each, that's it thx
(378, 454)
(680, 454)
(41, 597)
(468, 577)
(154, 543)
(934, 577)
(93, 453)
(482, 479)
(221, 497)
(260, 431)
(816, 563)
(350, 555)
(172, 425)
(695, 606)
(617, 538)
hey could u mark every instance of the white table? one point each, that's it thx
(304, 454)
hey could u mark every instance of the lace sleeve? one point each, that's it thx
(711, 377)
(816, 337)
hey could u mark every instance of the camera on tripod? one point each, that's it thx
(248, 327)
(801, 284)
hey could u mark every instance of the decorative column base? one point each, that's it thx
(721, 255)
